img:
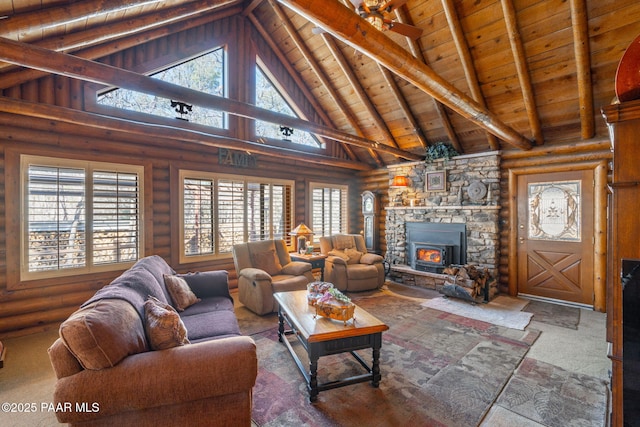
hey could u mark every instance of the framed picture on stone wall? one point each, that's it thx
(436, 181)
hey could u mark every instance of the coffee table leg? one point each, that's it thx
(313, 376)
(375, 367)
(280, 325)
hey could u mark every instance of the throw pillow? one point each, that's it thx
(267, 261)
(163, 325)
(354, 255)
(103, 333)
(180, 292)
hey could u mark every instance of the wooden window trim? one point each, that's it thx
(178, 212)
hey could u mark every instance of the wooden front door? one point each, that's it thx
(556, 235)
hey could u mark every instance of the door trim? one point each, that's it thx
(600, 173)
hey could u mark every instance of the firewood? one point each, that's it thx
(467, 283)
(451, 270)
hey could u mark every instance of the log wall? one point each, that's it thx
(41, 126)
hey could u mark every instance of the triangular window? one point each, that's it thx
(269, 98)
(206, 73)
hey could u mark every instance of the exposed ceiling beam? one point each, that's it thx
(98, 44)
(28, 27)
(580, 25)
(156, 133)
(313, 64)
(417, 51)
(350, 28)
(520, 60)
(404, 106)
(358, 90)
(467, 61)
(71, 66)
(297, 40)
(296, 77)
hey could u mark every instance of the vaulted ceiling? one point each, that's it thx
(482, 74)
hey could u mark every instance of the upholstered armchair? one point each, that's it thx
(264, 267)
(349, 266)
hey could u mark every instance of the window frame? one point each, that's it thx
(94, 90)
(89, 167)
(344, 208)
(215, 178)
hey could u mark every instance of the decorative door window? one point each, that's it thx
(554, 211)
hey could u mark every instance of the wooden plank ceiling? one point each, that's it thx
(483, 75)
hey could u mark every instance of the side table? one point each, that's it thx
(316, 261)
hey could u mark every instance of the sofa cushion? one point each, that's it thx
(206, 305)
(289, 283)
(163, 325)
(103, 333)
(267, 261)
(354, 255)
(158, 267)
(208, 283)
(181, 294)
(362, 271)
(212, 325)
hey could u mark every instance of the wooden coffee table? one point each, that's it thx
(321, 336)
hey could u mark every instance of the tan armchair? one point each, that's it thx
(349, 266)
(264, 267)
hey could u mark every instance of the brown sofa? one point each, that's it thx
(110, 374)
(349, 266)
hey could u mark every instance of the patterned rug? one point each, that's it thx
(554, 397)
(438, 369)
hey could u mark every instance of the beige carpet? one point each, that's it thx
(501, 311)
(27, 379)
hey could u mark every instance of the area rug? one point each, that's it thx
(502, 310)
(551, 396)
(554, 314)
(438, 369)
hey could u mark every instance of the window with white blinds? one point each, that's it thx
(219, 211)
(328, 209)
(79, 217)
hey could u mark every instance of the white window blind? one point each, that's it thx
(79, 216)
(198, 235)
(56, 237)
(116, 217)
(328, 209)
(231, 214)
(220, 211)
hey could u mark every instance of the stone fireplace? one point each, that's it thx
(466, 210)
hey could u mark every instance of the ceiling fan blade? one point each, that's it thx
(392, 4)
(406, 30)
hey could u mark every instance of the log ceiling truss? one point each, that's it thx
(484, 75)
